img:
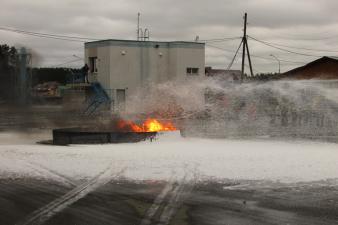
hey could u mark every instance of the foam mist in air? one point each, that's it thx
(208, 107)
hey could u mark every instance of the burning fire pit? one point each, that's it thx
(122, 132)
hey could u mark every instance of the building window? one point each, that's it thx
(192, 71)
(93, 64)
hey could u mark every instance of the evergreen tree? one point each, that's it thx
(8, 58)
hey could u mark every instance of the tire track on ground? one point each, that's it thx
(43, 214)
(169, 201)
(66, 180)
(177, 198)
(43, 170)
(157, 203)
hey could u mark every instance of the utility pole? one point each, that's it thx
(244, 43)
(245, 48)
(138, 26)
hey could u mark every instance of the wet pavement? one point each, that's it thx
(119, 201)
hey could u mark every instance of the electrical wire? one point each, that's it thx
(52, 36)
(83, 39)
(47, 34)
(282, 49)
(207, 41)
(306, 38)
(219, 48)
(300, 48)
(68, 62)
(255, 56)
(220, 39)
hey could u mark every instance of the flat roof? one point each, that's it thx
(135, 43)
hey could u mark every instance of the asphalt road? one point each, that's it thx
(117, 201)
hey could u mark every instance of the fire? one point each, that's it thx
(150, 125)
(154, 125)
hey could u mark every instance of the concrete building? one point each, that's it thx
(123, 66)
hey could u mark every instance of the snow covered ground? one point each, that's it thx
(170, 156)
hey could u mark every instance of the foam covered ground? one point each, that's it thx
(171, 156)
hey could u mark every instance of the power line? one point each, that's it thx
(65, 63)
(219, 48)
(49, 37)
(63, 39)
(306, 38)
(77, 38)
(254, 56)
(282, 49)
(288, 61)
(47, 34)
(83, 39)
(301, 48)
(52, 36)
(220, 39)
(307, 49)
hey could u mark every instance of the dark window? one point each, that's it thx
(192, 71)
(93, 64)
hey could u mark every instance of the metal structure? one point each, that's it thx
(98, 136)
(245, 48)
(142, 35)
(99, 97)
(244, 42)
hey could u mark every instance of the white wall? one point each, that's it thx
(188, 57)
(133, 66)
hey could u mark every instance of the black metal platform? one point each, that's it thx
(96, 136)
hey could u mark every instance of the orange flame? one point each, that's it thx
(150, 125)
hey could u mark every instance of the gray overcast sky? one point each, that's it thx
(299, 23)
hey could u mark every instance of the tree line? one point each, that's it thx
(8, 59)
(9, 72)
